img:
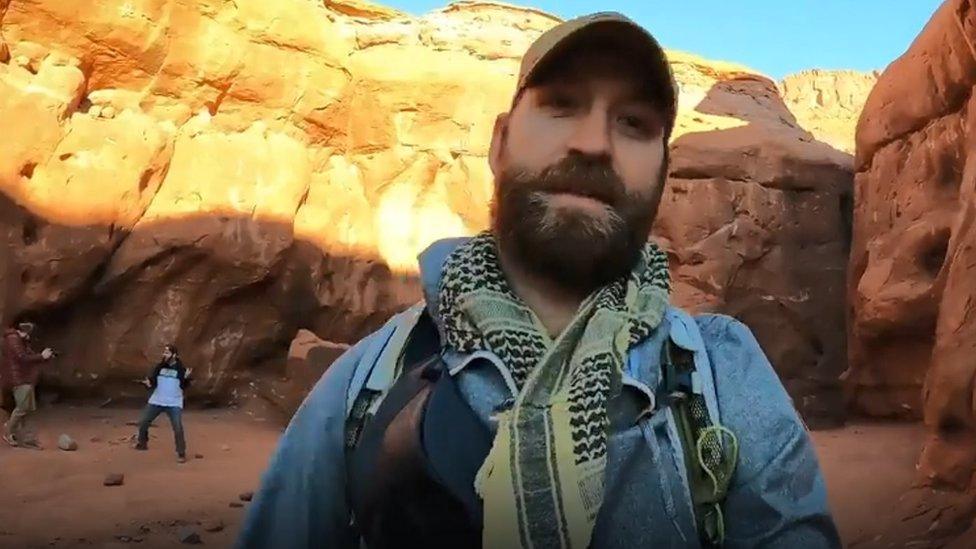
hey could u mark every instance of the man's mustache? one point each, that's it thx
(582, 176)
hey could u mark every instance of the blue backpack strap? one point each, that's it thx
(413, 447)
(381, 365)
(710, 450)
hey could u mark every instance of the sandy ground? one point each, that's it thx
(52, 498)
(868, 468)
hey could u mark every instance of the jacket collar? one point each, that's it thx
(431, 262)
(177, 364)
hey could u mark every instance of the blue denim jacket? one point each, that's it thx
(777, 497)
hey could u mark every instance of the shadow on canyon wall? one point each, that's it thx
(775, 206)
(755, 227)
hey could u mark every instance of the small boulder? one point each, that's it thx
(114, 479)
(67, 443)
(189, 536)
(236, 504)
(215, 525)
(198, 456)
(246, 496)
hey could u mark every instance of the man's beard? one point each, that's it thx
(576, 250)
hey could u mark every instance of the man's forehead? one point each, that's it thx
(583, 66)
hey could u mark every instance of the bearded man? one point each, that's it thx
(545, 394)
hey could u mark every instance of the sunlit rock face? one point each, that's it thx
(828, 103)
(223, 173)
(912, 279)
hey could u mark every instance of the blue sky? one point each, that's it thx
(775, 37)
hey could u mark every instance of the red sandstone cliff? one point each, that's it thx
(223, 173)
(913, 266)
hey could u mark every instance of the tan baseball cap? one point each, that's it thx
(619, 29)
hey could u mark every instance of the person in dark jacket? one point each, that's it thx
(19, 372)
(167, 381)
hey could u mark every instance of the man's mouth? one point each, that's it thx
(569, 197)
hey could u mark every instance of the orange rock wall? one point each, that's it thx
(222, 173)
(912, 284)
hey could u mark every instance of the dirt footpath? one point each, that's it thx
(53, 498)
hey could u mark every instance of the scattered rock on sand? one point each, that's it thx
(67, 443)
(189, 536)
(114, 479)
(246, 496)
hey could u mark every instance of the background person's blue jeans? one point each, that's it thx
(175, 419)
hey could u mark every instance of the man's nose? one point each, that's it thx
(592, 134)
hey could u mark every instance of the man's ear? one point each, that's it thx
(499, 136)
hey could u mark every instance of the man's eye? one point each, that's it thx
(637, 125)
(632, 121)
(561, 103)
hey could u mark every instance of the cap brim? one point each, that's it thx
(625, 35)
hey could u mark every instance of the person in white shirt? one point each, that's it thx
(167, 381)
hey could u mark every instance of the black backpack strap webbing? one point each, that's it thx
(710, 451)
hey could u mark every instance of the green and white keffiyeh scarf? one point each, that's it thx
(542, 482)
